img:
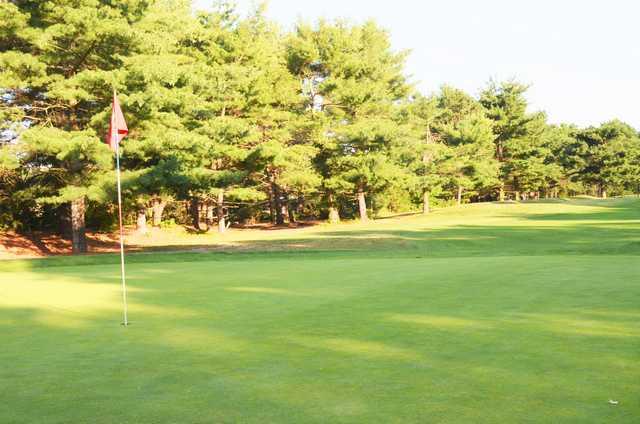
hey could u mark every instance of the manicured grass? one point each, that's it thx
(496, 313)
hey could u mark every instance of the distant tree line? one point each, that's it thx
(233, 120)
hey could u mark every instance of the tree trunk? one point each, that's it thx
(222, 226)
(78, 235)
(195, 213)
(158, 209)
(517, 196)
(362, 206)
(334, 215)
(291, 212)
(277, 204)
(272, 204)
(425, 202)
(501, 193)
(209, 214)
(284, 206)
(459, 196)
(425, 160)
(141, 221)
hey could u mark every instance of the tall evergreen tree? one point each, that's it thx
(610, 158)
(423, 152)
(519, 143)
(466, 132)
(58, 60)
(360, 79)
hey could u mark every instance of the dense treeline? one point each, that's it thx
(234, 121)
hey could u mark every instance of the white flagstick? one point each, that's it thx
(114, 137)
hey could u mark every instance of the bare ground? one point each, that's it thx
(34, 245)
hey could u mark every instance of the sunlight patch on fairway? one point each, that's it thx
(438, 321)
(373, 350)
(460, 238)
(48, 318)
(585, 327)
(58, 294)
(65, 303)
(614, 314)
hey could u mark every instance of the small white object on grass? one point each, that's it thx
(613, 402)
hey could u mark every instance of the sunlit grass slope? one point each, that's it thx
(492, 313)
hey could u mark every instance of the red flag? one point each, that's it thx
(117, 127)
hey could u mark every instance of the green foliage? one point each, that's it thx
(525, 144)
(610, 154)
(234, 113)
(73, 159)
(349, 73)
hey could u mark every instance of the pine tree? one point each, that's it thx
(520, 142)
(422, 152)
(610, 158)
(359, 79)
(462, 126)
(74, 160)
(58, 60)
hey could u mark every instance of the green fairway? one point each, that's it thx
(494, 313)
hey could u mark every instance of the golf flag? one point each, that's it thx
(117, 127)
(117, 131)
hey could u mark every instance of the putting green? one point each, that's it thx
(481, 314)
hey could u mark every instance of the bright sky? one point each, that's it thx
(581, 57)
